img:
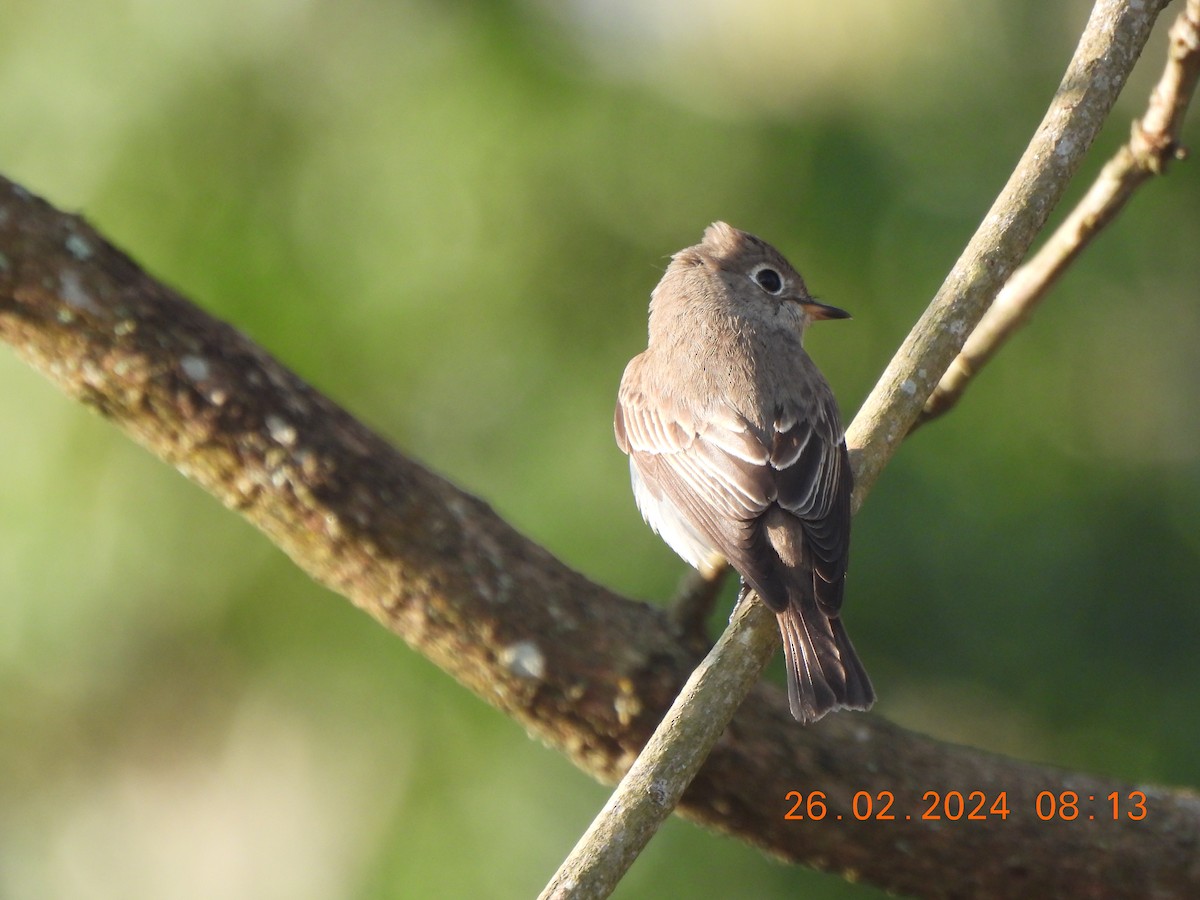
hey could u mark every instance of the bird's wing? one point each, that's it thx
(721, 474)
(813, 482)
(714, 473)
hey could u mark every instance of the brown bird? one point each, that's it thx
(736, 450)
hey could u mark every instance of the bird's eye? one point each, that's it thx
(768, 279)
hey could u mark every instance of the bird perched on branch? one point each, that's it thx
(736, 450)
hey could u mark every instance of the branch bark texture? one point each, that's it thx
(583, 669)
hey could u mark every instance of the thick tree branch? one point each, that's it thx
(1155, 141)
(585, 670)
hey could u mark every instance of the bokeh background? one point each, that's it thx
(449, 216)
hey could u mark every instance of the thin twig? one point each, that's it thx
(1154, 142)
(661, 773)
(1111, 43)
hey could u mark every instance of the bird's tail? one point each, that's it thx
(823, 671)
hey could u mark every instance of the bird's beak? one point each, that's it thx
(817, 310)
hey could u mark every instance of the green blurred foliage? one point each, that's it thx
(449, 217)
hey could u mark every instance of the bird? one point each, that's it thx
(737, 453)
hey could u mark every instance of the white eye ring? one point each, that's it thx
(767, 277)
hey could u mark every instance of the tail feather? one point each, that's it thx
(859, 692)
(824, 673)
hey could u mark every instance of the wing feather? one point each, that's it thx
(814, 484)
(720, 475)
